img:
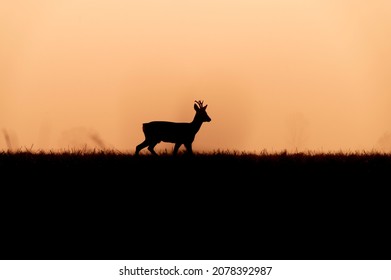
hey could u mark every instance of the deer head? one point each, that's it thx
(200, 109)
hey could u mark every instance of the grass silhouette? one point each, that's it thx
(273, 205)
(220, 167)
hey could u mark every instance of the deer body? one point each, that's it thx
(173, 132)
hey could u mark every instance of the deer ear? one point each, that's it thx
(196, 107)
(205, 107)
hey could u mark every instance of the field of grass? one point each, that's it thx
(203, 169)
(280, 201)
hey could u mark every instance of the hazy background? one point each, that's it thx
(276, 74)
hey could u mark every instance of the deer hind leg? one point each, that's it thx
(151, 148)
(141, 146)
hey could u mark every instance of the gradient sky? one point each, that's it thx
(276, 74)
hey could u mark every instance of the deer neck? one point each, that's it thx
(196, 124)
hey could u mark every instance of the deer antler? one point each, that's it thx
(199, 103)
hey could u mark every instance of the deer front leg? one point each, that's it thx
(176, 148)
(189, 148)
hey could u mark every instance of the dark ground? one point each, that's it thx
(210, 206)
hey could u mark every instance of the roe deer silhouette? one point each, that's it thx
(174, 132)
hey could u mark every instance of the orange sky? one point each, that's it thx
(276, 74)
